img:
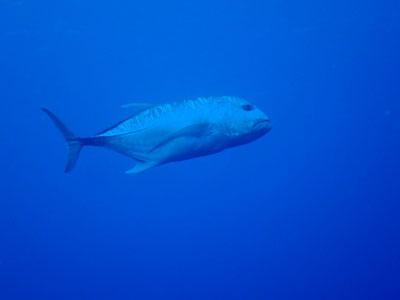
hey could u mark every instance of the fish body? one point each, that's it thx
(158, 134)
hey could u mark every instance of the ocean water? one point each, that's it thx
(309, 211)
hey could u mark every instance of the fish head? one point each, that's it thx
(245, 122)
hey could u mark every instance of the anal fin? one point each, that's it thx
(141, 166)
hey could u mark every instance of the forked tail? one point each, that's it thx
(74, 143)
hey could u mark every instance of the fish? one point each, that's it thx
(157, 134)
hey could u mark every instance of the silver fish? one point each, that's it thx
(158, 134)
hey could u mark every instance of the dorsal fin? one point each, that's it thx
(115, 125)
(139, 107)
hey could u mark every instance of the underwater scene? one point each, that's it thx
(200, 149)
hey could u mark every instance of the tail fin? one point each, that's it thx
(74, 143)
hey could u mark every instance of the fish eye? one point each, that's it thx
(247, 107)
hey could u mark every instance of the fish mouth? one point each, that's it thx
(264, 124)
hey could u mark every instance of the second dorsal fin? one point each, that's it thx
(138, 107)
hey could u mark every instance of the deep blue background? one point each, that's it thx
(310, 211)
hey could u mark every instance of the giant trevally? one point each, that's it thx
(162, 133)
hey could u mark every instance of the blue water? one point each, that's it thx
(309, 211)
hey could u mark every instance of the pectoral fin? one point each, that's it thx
(141, 166)
(196, 130)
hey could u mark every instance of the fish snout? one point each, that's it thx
(264, 124)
